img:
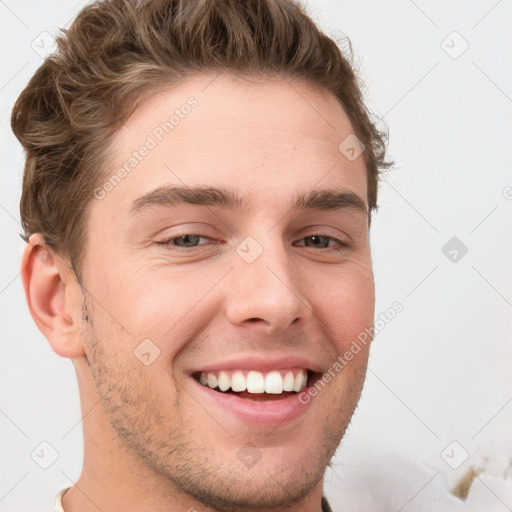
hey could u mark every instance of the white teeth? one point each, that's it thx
(238, 382)
(224, 381)
(300, 382)
(255, 382)
(212, 380)
(288, 382)
(274, 383)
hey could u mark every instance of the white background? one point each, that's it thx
(441, 370)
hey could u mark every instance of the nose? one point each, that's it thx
(266, 292)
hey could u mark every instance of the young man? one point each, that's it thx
(197, 195)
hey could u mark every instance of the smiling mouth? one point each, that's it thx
(257, 386)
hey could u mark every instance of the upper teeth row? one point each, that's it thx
(256, 382)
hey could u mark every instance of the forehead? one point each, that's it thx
(268, 137)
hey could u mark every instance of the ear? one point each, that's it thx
(53, 296)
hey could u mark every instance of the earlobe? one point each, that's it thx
(53, 297)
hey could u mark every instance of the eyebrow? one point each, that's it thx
(321, 200)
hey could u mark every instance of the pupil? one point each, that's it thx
(315, 238)
(189, 239)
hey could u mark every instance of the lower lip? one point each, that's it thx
(270, 413)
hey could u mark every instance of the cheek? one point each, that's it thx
(344, 301)
(159, 304)
(165, 306)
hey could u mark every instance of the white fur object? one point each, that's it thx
(491, 490)
(388, 482)
(375, 480)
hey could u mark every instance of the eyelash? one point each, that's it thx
(169, 246)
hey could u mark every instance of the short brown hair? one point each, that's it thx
(118, 52)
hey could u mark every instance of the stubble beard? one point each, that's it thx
(170, 446)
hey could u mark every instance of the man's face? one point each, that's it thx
(255, 288)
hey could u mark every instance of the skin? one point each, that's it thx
(150, 442)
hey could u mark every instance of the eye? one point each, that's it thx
(188, 240)
(322, 241)
(191, 241)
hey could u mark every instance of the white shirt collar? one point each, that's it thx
(58, 500)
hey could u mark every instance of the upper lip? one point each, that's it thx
(259, 363)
